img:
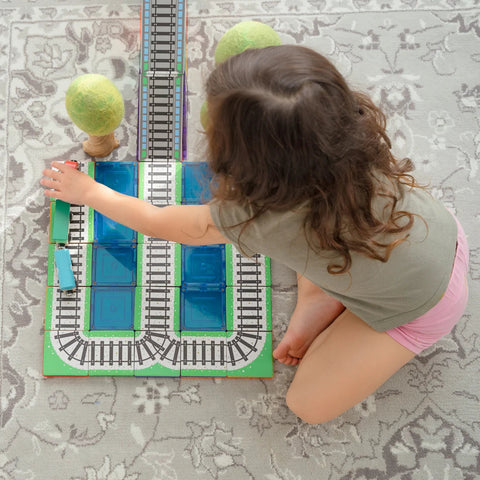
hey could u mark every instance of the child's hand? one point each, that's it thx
(68, 184)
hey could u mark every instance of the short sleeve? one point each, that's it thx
(230, 218)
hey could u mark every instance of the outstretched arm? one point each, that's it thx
(188, 224)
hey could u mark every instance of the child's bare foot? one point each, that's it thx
(312, 315)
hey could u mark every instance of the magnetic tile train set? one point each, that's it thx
(121, 303)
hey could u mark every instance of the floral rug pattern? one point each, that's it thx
(419, 60)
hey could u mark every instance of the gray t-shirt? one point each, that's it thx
(384, 295)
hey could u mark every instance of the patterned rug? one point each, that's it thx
(420, 60)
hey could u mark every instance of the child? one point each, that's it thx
(305, 175)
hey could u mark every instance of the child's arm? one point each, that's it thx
(188, 224)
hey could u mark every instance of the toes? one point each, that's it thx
(281, 352)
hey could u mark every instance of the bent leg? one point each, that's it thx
(345, 364)
(314, 312)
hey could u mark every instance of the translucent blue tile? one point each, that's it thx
(203, 266)
(112, 308)
(121, 177)
(196, 177)
(109, 231)
(114, 265)
(202, 309)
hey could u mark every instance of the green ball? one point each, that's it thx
(204, 115)
(94, 104)
(243, 36)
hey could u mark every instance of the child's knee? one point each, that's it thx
(310, 410)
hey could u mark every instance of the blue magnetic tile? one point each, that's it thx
(109, 231)
(196, 178)
(203, 266)
(112, 308)
(114, 265)
(202, 309)
(119, 176)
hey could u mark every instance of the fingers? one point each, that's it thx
(51, 193)
(52, 174)
(49, 183)
(60, 166)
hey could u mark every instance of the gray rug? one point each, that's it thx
(420, 60)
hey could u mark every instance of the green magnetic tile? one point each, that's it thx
(50, 225)
(192, 353)
(165, 347)
(178, 264)
(111, 341)
(91, 169)
(56, 362)
(176, 321)
(48, 308)
(229, 308)
(141, 180)
(178, 183)
(51, 265)
(88, 296)
(229, 264)
(91, 216)
(260, 367)
(268, 294)
(139, 262)
(137, 322)
(268, 272)
(88, 267)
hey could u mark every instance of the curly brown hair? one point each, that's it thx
(285, 130)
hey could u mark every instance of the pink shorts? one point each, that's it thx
(424, 331)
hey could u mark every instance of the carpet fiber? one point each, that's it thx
(420, 61)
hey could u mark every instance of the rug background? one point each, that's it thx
(419, 60)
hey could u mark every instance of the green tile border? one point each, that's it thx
(88, 264)
(261, 367)
(268, 272)
(140, 247)
(51, 264)
(54, 365)
(178, 182)
(229, 265)
(178, 264)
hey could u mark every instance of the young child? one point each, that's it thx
(304, 174)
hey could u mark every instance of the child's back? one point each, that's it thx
(305, 175)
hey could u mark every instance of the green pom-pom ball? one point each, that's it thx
(94, 104)
(243, 36)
